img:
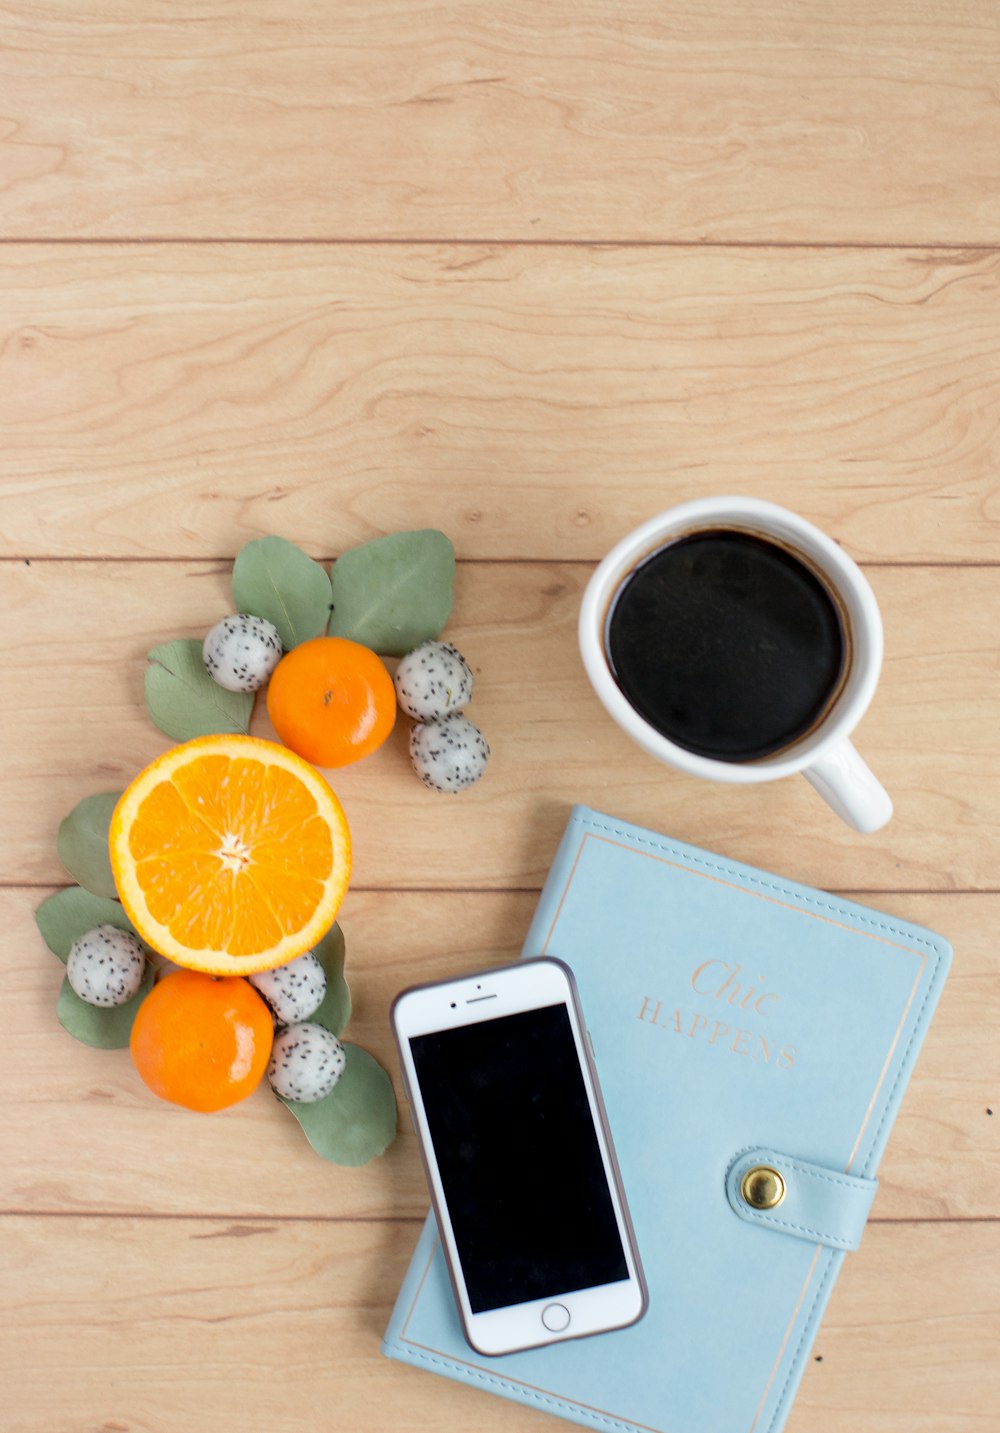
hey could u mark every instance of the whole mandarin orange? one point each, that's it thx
(332, 701)
(200, 1041)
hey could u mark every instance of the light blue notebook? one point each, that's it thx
(740, 1023)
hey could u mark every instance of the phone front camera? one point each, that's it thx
(453, 1005)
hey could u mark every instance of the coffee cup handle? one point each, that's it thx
(847, 784)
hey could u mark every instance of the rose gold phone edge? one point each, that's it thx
(601, 1124)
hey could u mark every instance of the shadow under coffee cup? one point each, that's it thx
(733, 640)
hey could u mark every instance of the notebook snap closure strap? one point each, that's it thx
(794, 1197)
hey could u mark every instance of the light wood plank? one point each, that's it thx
(84, 1135)
(532, 403)
(908, 1342)
(75, 638)
(725, 121)
(160, 1325)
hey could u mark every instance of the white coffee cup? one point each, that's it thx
(825, 755)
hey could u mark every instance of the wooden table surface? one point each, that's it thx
(530, 274)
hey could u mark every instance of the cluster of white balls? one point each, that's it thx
(106, 965)
(307, 1060)
(433, 684)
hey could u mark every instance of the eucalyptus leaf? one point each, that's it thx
(273, 578)
(104, 1027)
(357, 1119)
(335, 1009)
(395, 592)
(184, 701)
(71, 913)
(82, 842)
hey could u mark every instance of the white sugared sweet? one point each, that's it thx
(433, 680)
(306, 1063)
(241, 652)
(293, 991)
(105, 966)
(448, 754)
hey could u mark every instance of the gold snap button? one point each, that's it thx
(762, 1187)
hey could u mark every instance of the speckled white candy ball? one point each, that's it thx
(306, 1063)
(448, 754)
(105, 966)
(293, 991)
(433, 680)
(241, 652)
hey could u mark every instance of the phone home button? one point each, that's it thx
(555, 1317)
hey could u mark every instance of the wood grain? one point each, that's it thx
(573, 120)
(177, 401)
(76, 636)
(200, 1324)
(83, 1134)
(529, 274)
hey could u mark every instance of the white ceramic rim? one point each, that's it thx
(842, 574)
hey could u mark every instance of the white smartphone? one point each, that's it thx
(518, 1155)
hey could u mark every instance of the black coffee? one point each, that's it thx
(727, 644)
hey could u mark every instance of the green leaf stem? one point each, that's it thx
(184, 701)
(67, 915)
(82, 842)
(104, 1027)
(274, 579)
(395, 592)
(357, 1120)
(335, 1009)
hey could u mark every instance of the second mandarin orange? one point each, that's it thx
(201, 1042)
(332, 701)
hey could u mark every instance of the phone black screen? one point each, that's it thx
(519, 1158)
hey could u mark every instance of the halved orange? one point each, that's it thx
(230, 854)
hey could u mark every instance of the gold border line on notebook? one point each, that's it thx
(735, 886)
(888, 1061)
(813, 915)
(869, 935)
(565, 891)
(784, 1342)
(535, 1388)
(772, 900)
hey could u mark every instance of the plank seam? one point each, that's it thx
(845, 892)
(959, 1221)
(359, 241)
(26, 559)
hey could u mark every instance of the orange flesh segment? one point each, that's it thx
(220, 810)
(233, 855)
